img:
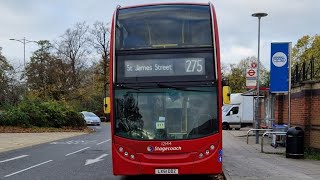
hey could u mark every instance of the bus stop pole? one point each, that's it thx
(257, 117)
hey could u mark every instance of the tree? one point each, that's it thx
(100, 41)
(237, 77)
(74, 50)
(47, 75)
(306, 49)
(301, 51)
(5, 70)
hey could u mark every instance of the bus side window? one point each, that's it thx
(136, 37)
(133, 41)
(200, 33)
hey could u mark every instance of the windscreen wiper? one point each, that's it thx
(122, 86)
(161, 85)
(179, 88)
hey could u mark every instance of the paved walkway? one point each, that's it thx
(11, 141)
(245, 161)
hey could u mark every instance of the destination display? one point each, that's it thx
(164, 67)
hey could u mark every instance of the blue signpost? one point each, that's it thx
(280, 67)
(280, 71)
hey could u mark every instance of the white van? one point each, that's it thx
(239, 113)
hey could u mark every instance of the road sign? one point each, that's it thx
(251, 83)
(253, 65)
(251, 73)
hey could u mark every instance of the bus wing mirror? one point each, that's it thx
(226, 94)
(107, 106)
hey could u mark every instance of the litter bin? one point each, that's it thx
(295, 143)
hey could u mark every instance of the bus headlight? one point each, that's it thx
(212, 147)
(127, 153)
(120, 149)
(132, 156)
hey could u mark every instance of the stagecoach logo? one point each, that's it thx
(150, 148)
(163, 149)
(279, 59)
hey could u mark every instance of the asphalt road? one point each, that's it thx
(82, 157)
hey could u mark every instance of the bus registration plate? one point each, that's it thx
(166, 171)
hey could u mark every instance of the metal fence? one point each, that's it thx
(306, 71)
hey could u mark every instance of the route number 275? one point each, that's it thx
(194, 65)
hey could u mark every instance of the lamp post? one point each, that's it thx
(24, 41)
(257, 117)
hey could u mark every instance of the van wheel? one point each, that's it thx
(225, 126)
(237, 128)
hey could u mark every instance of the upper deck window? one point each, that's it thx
(163, 26)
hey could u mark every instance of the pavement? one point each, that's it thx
(240, 161)
(246, 161)
(12, 141)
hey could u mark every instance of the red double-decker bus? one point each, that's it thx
(165, 90)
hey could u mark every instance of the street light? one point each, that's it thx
(24, 41)
(257, 120)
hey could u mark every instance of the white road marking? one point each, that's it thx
(77, 151)
(74, 142)
(103, 142)
(91, 161)
(11, 159)
(27, 168)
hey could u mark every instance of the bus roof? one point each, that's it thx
(156, 4)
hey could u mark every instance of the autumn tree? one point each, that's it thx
(237, 75)
(301, 52)
(73, 48)
(99, 39)
(11, 89)
(306, 49)
(4, 79)
(47, 75)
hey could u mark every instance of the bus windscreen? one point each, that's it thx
(166, 113)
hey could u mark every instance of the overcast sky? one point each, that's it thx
(287, 21)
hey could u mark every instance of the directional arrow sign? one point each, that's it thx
(91, 161)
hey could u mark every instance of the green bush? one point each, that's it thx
(15, 117)
(42, 114)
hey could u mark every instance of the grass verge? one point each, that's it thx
(312, 154)
(12, 129)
